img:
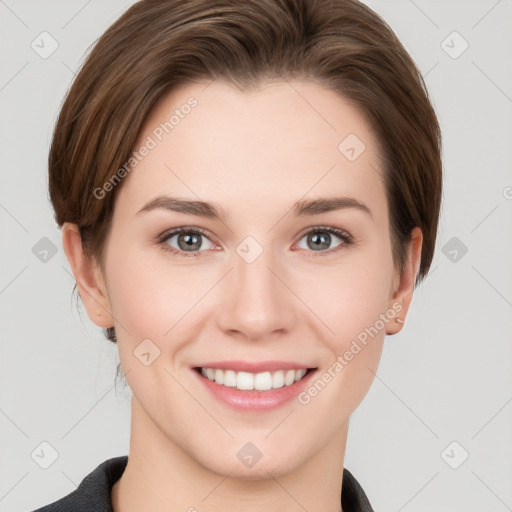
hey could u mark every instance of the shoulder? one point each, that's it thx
(353, 497)
(93, 492)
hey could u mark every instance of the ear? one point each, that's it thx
(89, 278)
(404, 284)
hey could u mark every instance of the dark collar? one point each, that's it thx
(93, 493)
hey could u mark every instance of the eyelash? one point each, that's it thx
(346, 238)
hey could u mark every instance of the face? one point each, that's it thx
(281, 275)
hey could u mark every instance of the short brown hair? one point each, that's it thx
(156, 45)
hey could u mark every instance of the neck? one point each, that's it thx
(161, 476)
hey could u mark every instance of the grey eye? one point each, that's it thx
(319, 239)
(189, 241)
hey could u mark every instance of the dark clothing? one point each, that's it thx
(93, 493)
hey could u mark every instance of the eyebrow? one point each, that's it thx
(302, 208)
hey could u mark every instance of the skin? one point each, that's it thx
(253, 153)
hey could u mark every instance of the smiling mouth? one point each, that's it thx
(247, 381)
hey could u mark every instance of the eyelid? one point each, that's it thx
(187, 229)
(342, 233)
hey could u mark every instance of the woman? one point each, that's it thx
(248, 194)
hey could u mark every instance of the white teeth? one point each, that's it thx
(246, 381)
(290, 377)
(243, 380)
(219, 376)
(230, 378)
(278, 380)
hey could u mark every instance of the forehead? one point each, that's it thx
(282, 141)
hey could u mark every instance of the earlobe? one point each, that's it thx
(404, 291)
(88, 276)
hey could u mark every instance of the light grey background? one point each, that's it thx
(446, 377)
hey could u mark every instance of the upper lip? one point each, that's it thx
(254, 367)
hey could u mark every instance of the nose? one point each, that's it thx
(256, 300)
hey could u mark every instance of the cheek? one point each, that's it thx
(152, 298)
(353, 307)
(353, 302)
(351, 297)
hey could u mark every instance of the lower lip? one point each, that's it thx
(255, 400)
